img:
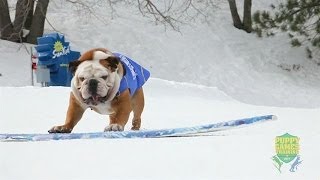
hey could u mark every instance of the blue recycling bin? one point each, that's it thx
(55, 54)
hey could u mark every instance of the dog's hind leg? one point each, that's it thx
(137, 104)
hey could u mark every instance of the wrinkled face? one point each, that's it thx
(97, 81)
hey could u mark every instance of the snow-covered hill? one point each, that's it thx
(214, 54)
(209, 73)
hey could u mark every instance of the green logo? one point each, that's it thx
(58, 47)
(287, 149)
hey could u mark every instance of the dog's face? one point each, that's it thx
(96, 80)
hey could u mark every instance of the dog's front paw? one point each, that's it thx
(113, 127)
(60, 129)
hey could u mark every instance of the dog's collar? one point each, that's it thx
(123, 69)
(117, 95)
(123, 86)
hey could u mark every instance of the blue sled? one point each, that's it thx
(175, 132)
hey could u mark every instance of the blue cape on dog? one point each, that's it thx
(135, 75)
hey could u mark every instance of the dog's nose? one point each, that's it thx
(93, 84)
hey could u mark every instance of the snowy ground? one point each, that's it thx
(236, 154)
(216, 73)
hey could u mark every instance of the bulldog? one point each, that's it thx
(108, 83)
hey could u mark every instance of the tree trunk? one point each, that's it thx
(6, 27)
(234, 13)
(37, 25)
(28, 22)
(19, 20)
(247, 24)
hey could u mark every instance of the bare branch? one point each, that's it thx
(159, 16)
(89, 9)
(47, 20)
(175, 13)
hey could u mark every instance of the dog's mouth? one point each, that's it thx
(95, 100)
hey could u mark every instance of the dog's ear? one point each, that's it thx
(111, 62)
(73, 66)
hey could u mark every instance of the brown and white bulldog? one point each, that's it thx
(95, 85)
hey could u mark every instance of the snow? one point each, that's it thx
(209, 73)
(240, 154)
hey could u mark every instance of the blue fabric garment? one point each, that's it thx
(135, 76)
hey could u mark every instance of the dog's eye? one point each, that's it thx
(81, 78)
(104, 77)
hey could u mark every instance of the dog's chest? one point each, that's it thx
(105, 108)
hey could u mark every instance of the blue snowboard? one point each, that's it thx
(175, 132)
